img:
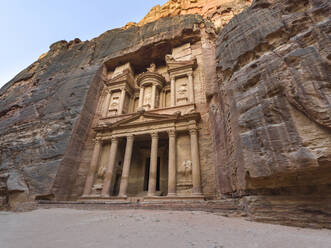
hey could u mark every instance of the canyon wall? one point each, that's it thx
(271, 107)
(219, 12)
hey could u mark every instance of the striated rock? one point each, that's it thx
(271, 112)
(3, 191)
(220, 12)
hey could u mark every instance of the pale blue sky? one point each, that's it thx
(29, 27)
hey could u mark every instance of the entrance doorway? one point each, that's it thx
(147, 170)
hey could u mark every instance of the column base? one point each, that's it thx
(105, 196)
(197, 194)
(171, 194)
(151, 194)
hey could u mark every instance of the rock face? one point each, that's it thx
(271, 111)
(219, 12)
(3, 192)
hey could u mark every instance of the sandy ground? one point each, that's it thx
(62, 228)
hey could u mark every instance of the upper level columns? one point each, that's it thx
(172, 92)
(141, 97)
(93, 167)
(172, 164)
(153, 165)
(126, 166)
(153, 103)
(190, 87)
(105, 108)
(122, 100)
(196, 178)
(110, 167)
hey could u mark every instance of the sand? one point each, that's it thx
(62, 228)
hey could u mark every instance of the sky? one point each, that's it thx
(29, 27)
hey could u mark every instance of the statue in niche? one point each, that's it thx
(147, 96)
(186, 169)
(101, 172)
(152, 68)
(115, 102)
(97, 187)
(182, 89)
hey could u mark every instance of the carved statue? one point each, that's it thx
(182, 89)
(147, 96)
(101, 172)
(187, 168)
(152, 68)
(115, 102)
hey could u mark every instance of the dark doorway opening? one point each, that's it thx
(147, 170)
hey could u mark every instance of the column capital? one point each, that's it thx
(97, 140)
(190, 74)
(193, 131)
(130, 137)
(172, 133)
(154, 135)
(114, 139)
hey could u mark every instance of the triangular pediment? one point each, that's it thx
(143, 118)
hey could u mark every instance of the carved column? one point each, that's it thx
(191, 87)
(93, 167)
(153, 104)
(122, 100)
(141, 97)
(172, 164)
(126, 166)
(196, 179)
(153, 165)
(110, 167)
(172, 92)
(161, 105)
(106, 104)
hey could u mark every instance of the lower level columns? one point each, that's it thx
(126, 166)
(172, 164)
(153, 165)
(110, 167)
(93, 167)
(196, 178)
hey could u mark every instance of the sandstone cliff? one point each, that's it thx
(219, 12)
(271, 106)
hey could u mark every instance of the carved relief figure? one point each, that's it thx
(187, 168)
(182, 94)
(147, 98)
(152, 68)
(115, 102)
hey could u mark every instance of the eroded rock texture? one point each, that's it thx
(272, 110)
(47, 109)
(219, 12)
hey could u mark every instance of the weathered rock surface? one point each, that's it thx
(3, 192)
(220, 12)
(271, 111)
(47, 109)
